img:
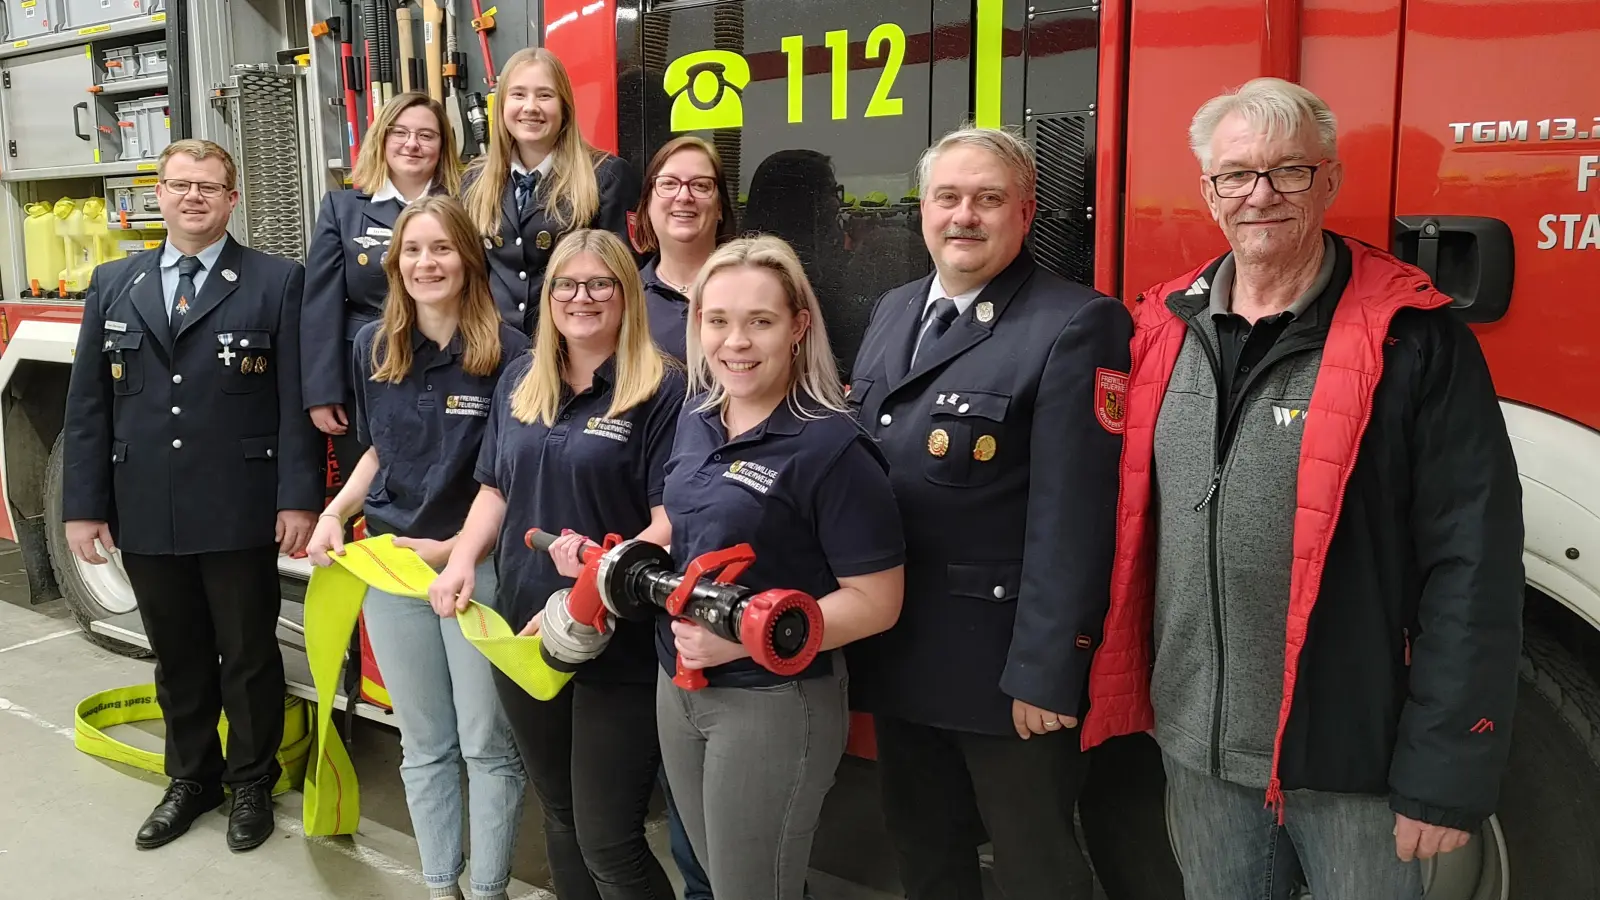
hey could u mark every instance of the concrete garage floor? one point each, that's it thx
(67, 819)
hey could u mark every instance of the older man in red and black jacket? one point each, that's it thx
(1316, 599)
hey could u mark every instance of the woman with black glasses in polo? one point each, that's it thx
(578, 435)
(684, 213)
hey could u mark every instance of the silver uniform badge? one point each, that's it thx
(985, 311)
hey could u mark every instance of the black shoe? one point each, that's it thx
(250, 823)
(184, 802)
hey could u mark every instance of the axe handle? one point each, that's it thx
(432, 37)
(402, 18)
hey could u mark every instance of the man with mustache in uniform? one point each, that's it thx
(996, 390)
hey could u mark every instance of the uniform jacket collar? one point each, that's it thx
(966, 332)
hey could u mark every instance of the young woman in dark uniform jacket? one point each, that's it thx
(408, 154)
(766, 454)
(539, 180)
(578, 437)
(426, 372)
(684, 212)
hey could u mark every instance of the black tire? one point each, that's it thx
(1547, 808)
(1551, 792)
(80, 597)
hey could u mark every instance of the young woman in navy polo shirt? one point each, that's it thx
(578, 438)
(539, 180)
(424, 376)
(767, 455)
(685, 211)
(404, 158)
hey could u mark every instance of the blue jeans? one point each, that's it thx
(696, 886)
(444, 697)
(1229, 842)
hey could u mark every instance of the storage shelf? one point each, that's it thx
(133, 85)
(93, 170)
(76, 36)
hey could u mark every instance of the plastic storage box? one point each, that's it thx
(152, 57)
(146, 130)
(24, 19)
(121, 63)
(133, 196)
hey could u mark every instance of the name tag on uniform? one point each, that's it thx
(618, 430)
(752, 475)
(466, 405)
(374, 231)
(116, 326)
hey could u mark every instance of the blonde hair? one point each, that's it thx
(640, 364)
(813, 373)
(1272, 108)
(201, 151)
(479, 317)
(372, 165)
(571, 193)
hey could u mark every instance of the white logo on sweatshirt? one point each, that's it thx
(1285, 416)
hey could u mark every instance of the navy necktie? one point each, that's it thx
(526, 182)
(184, 296)
(944, 312)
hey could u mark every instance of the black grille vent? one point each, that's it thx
(1063, 233)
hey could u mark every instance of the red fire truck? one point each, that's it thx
(1470, 131)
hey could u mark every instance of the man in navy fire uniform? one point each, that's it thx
(996, 391)
(187, 450)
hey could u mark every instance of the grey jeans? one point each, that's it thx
(749, 768)
(1229, 841)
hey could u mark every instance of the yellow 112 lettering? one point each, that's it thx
(887, 40)
(707, 87)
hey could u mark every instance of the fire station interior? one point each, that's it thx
(819, 110)
(838, 185)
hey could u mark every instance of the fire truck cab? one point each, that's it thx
(1470, 132)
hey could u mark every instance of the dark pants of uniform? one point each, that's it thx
(212, 620)
(592, 754)
(1024, 791)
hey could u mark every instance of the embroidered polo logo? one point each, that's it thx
(466, 405)
(752, 475)
(1484, 726)
(618, 430)
(1286, 416)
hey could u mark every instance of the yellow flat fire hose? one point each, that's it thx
(137, 703)
(333, 602)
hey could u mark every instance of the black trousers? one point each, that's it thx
(593, 755)
(212, 621)
(1024, 791)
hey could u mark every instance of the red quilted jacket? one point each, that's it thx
(1352, 363)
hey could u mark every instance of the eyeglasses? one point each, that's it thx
(1284, 180)
(425, 136)
(208, 189)
(566, 289)
(667, 187)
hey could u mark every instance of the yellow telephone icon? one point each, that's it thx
(706, 88)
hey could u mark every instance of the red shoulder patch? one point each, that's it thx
(633, 229)
(1111, 399)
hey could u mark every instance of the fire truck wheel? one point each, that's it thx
(93, 593)
(1540, 844)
